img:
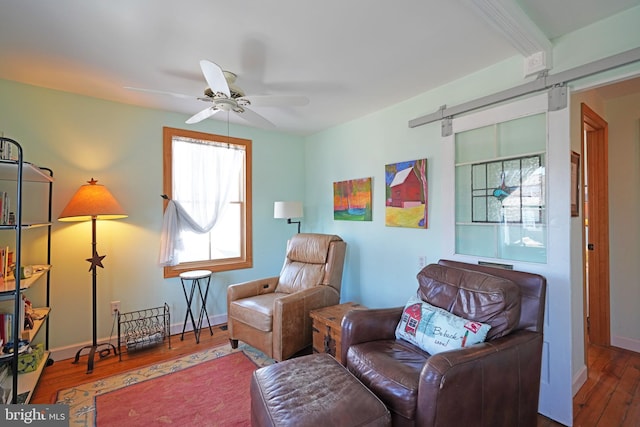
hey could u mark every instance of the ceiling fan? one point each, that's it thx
(225, 95)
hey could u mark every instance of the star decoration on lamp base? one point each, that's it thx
(96, 261)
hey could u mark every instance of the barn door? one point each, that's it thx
(509, 175)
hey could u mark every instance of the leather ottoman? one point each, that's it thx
(313, 391)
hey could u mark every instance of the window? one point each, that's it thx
(208, 177)
(509, 190)
(500, 190)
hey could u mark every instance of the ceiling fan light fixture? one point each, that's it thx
(208, 92)
(230, 76)
(224, 95)
(225, 104)
(236, 91)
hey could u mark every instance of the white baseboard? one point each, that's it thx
(579, 379)
(626, 343)
(69, 352)
(218, 319)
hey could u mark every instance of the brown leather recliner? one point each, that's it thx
(494, 383)
(272, 314)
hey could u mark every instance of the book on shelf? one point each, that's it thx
(7, 150)
(5, 208)
(6, 328)
(6, 215)
(7, 317)
(4, 263)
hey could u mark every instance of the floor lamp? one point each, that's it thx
(93, 201)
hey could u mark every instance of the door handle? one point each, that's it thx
(590, 246)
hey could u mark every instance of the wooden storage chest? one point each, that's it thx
(327, 328)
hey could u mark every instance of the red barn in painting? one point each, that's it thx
(406, 189)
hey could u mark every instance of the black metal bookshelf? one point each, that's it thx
(14, 169)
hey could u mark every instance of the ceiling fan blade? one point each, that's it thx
(255, 118)
(215, 77)
(200, 116)
(161, 92)
(276, 100)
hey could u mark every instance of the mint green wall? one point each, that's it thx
(623, 116)
(121, 146)
(609, 36)
(383, 261)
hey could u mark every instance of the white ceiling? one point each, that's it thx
(349, 57)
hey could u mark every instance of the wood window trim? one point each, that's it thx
(246, 259)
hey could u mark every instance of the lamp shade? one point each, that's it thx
(287, 210)
(92, 200)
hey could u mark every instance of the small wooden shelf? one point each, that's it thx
(8, 287)
(25, 226)
(37, 324)
(27, 382)
(30, 172)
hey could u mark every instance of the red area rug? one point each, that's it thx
(209, 388)
(214, 393)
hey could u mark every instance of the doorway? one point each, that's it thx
(596, 227)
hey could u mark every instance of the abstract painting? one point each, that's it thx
(406, 189)
(352, 200)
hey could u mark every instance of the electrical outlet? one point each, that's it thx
(422, 261)
(115, 307)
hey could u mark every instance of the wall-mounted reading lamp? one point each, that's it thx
(288, 210)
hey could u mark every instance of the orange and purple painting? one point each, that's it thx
(406, 194)
(352, 200)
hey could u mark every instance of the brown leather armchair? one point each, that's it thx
(272, 314)
(494, 383)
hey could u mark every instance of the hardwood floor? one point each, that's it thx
(610, 397)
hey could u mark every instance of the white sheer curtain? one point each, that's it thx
(203, 178)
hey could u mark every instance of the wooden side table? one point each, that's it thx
(327, 328)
